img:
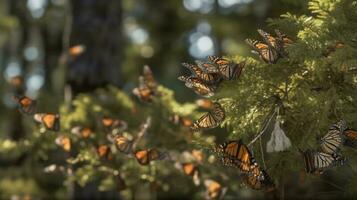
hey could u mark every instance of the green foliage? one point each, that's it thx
(314, 87)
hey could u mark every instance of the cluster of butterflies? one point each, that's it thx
(272, 48)
(328, 154)
(191, 168)
(51, 122)
(147, 90)
(206, 76)
(236, 154)
(28, 106)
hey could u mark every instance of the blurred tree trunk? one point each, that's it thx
(15, 47)
(98, 26)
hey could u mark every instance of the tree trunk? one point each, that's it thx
(97, 26)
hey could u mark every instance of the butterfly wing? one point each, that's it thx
(142, 157)
(331, 142)
(144, 92)
(266, 53)
(269, 39)
(259, 182)
(207, 66)
(27, 105)
(207, 77)
(283, 41)
(318, 162)
(51, 122)
(123, 144)
(149, 79)
(199, 86)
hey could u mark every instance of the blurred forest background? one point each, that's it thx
(118, 37)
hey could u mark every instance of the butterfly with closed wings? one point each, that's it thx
(211, 119)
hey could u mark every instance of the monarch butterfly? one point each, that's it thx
(259, 182)
(211, 119)
(317, 162)
(331, 142)
(191, 169)
(86, 132)
(83, 132)
(198, 155)
(143, 92)
(283, 42)
(149, 79)
(64, 142)
(111, 123)
(266, 53)
(26, 105)
(204, 103)
(207, 67)
(183, 121)
(269, 39)
(124, 144)
(76, 50)
(144, 157)
(214, 190)
(147, 86)
(104, 152)
(351, 137)
(50, 121)
(236, 154)
(340, 126)
(199, 86)
(228, 69)
(16, 81)
(207, 77)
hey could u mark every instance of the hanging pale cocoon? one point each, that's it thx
(278, 140)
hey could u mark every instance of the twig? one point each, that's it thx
(143, 130)
(264, 128)
(262, 152)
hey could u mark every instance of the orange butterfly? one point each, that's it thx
(26, 105)
(210, 120)
(147, 86)
(76, 50)
(259, 182)
(214, 190)
(86, 132)
(227, 69)
(123, 144)
(207, 77)
(179, 120)
(351, 137)
(83, 132)
(50, 121)
(267, 53)
(236, 154)
(205, 103)
(144, 157)
(16, 81)
(191, 169)
(112, 124)
(279, 43)
(64, 142)
(198, 86)
(104, 152)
